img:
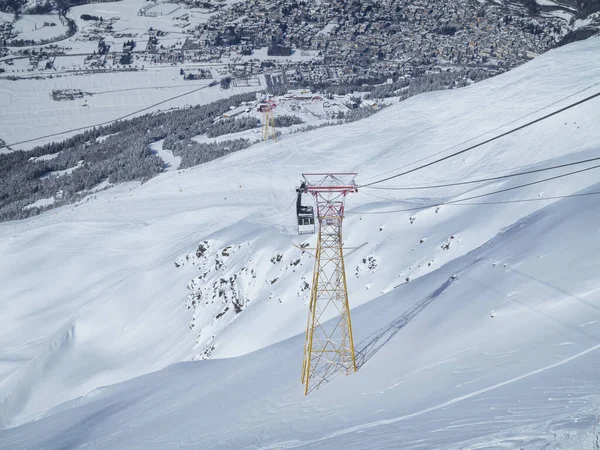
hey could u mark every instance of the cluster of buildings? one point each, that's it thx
(333, 42)
(360, 40)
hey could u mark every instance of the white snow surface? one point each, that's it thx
(40, 203)
(37, 27)
(94, 313)
(550, 3)
(60, 173)
(48, 157)
(171, 161)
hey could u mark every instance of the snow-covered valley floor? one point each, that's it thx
(494, 342)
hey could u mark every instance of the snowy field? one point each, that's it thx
(39, 27)
(27, 110)
(262, 54)
(128, 21)
(493, 343)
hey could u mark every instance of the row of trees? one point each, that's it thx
(282, 121)
(228, 126)
(122, 155)
(18, 6)
(193, 153)
(361, 112)
(378, 88)
(587, 7)
(12, 6)
(119, 158)
(40, 8)
(577, 35)
(406, 88)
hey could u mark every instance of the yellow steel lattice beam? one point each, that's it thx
(329, 344)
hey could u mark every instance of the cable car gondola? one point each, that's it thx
(305, 214)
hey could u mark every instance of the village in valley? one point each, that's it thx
(311, 43)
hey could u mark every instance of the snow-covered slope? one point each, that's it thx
(492, 342)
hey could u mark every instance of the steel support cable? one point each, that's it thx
(503, 202)
(527, 200)
(460, 144)
(487, 194)
(514, 130)
(483, 180)
(107, 122)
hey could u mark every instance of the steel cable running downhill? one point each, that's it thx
(487, 141)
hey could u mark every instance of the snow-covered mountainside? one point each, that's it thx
(476, 325)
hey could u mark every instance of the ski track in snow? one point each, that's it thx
(360, 428)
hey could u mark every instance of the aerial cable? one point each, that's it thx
(488, 131)
(521, 200)
(72, 130)
(482, 180)
(514, 130)
(459, 201)
(526, 200)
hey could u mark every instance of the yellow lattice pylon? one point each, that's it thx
(329, 345)
(269, 122)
